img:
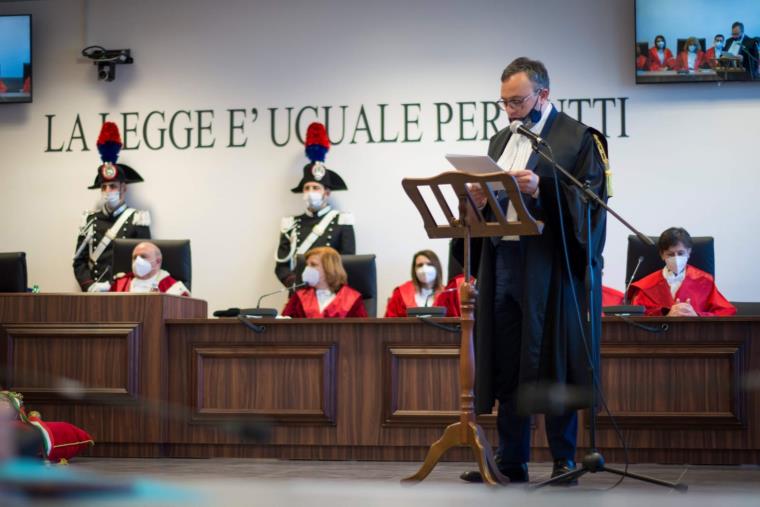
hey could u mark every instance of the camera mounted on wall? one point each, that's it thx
(107, 59)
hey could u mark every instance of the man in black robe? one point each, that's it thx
(528, 326)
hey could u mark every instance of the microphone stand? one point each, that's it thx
(593, 462)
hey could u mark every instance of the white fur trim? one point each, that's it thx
(178, 289)
(141, 217)
(345, 218)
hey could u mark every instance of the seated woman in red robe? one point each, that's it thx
(691, 57)
(679, 290)
(421, 289)
(327, 295)
(660, 57)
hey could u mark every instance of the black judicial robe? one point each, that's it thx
(550, 347)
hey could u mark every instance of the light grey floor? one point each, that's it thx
(256, 482)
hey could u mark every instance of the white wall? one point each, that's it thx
(677, 167)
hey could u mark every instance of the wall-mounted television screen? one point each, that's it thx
(681, 41)
(16, 58)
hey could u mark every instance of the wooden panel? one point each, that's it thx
(421, 385)
(674, 386)
(283, 383)
(78, 362)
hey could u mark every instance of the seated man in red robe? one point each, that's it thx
(421, 289)
(327, 294)
(147, 275)
(679, 290)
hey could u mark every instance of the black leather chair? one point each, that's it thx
(643, 48)
(177, 259)
(702, 256)
(362, 276)
(747, 308)
(13, 272)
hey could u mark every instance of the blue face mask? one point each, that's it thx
(533, 117)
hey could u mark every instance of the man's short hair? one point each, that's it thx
(719, 35)
(535, 70)
(672, 236)
(739, 24)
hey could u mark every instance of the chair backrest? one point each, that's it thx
(13, 272)
(702, 256)
(177, 259)
(745, 308)
(680, 43)
(643, 48)
(362, 277)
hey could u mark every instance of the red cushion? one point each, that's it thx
(63, 440)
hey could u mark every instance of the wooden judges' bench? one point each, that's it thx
(153, 377)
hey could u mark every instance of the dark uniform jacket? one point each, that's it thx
(339, 235)
(550, 346)
(137, 226)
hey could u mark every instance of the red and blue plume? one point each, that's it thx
(109, 142)
(317, 142)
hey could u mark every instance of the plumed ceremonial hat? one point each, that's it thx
(109, 146)
(317, 145)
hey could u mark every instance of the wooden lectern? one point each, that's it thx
(472, 222)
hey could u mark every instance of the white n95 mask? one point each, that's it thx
(426, 274)
(677, 263)
(140, 266)
(310, 276)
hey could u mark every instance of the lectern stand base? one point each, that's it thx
(462, 434)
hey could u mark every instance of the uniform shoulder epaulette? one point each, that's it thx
(141, 217)
(346, 218)
(287, 223)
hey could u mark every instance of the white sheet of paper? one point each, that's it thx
(475, 164)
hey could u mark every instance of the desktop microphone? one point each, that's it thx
(627, 308)
(429, 311)
(517, 127)
(268, 312)
(258, 311)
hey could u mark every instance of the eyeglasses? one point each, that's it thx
(516, 103)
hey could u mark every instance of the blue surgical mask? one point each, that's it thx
(533, 117)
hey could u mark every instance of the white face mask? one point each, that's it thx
(660, 45)
(426, 274)
(310, 276)
(314, 199)
(719, 45)
(692, 49)
(677, 263)
(141, 267)
(111, 198)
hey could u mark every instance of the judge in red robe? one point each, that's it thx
(660, 57)
(679, 290)
(327, 295)
(421, 289)
(692, 57)
(147, 275)
(716, 51)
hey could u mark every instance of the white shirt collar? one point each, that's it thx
(674, 280)
(319, 213)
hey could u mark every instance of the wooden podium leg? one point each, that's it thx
(452, 437)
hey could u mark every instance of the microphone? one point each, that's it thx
(627, 308)
(517, 127)
(268, 312)
(258, 311)
(630, 281)
(429, 311)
